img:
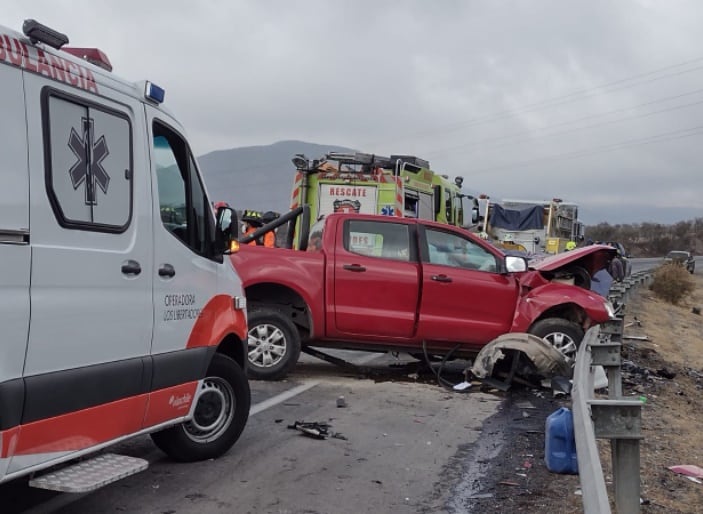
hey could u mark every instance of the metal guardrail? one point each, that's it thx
(616, 418)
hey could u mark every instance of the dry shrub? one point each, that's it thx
(672, 282)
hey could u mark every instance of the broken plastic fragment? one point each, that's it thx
(690, 470)
(462, 386)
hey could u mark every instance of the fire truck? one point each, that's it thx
(542, 226)
(399, 185)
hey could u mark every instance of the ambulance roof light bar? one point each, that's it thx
(35, 31)
(92, 55)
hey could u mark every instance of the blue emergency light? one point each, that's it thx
(154, 93)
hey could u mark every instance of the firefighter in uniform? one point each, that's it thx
(254, 220)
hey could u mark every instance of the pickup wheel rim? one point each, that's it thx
(266, 345)
(564, 343)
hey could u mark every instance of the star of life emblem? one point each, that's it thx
(88, 170)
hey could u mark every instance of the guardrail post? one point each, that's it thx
(621, 422)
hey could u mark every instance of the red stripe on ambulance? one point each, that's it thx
(83, 429)
(217, 319)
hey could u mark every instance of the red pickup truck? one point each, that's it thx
(380, 283)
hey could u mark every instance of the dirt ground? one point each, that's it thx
(667, 369)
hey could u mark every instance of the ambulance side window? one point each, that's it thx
(88, 156)
(184, 208)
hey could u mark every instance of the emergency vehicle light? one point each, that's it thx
(92, 55)
(35, 31)
(154, 93)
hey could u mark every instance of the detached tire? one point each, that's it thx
(562, 334)
(220, 415)
(273, 344)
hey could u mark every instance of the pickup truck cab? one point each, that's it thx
(380, 283)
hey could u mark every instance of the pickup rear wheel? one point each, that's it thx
(221, 411)
(562, 334)
(273, 344)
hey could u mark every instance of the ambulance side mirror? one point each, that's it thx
(226, 230)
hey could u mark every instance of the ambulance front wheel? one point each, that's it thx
(273, 344)
(221, 411)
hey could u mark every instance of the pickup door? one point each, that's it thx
(464, 296)
(375, 280)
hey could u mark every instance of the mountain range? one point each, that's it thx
(261, 178)
(257, 177)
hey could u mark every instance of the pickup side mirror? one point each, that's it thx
(226, 230)
(515, 264)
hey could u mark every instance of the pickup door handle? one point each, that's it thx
(441, 278)
(131, 267)
(166, 270)
(354, 267)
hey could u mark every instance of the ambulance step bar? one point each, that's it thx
(89, 475)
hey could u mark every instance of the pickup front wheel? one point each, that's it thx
(562, 334)
(273, 344)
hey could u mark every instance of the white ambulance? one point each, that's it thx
(120, 315)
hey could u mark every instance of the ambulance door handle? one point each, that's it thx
(131, 267)
(166, 270)
(354, 267)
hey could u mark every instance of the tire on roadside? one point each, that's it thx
(562, 334)
(273, 344)
(220, 415)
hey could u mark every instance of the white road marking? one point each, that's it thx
(280, 398)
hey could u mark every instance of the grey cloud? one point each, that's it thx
(443, 80)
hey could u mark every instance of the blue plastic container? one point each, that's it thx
(559, 443)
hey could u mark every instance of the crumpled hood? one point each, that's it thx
(592, 258)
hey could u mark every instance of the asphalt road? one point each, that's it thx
(402, 453)
(642, 264)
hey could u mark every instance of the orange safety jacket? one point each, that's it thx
(269, 238)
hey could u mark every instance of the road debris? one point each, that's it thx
(316, 429)
(531, 356)
(462, 386)
(689, 470)
(634, 321)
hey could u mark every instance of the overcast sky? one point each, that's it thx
(598, 102)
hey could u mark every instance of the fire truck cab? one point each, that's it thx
(399, 185)
(120, 314)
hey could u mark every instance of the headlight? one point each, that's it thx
(240, 303)
(610, 309)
